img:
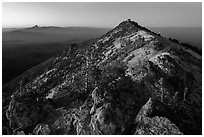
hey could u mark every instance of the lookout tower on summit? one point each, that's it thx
(36, 26)
(132, 22)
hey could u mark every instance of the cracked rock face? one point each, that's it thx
(102, 121)
(128, 81)
(22, 115)
(154, 125)
(157, 126)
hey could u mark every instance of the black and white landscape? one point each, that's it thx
(104, 73)
(24, 48)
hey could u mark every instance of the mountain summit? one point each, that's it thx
(36, 26)
(128, 81)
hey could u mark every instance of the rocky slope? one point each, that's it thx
(128, 81)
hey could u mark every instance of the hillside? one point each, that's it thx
(128, 81)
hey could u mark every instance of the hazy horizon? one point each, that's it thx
(102, 27)
(101, 14)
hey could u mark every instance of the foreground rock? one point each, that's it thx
(154, 125)
(43, 129)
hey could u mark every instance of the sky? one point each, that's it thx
(104, 15)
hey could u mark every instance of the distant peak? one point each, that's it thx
(36, 26)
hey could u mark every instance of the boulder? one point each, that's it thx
(103, 122)
(147, 125)
(24, 115)
(157, 126)
(21, 115)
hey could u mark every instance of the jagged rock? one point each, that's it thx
(144, 111)
(24, 115)
(102, 122)
(157, 126)
(97, 98)
(43, 129)
(154, 125)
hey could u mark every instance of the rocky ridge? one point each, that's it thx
(128, 81)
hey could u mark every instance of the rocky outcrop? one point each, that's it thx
(22, 115)
(154, 125)
(43, 129)
(25, 113)
(104, 120)
(157, 126)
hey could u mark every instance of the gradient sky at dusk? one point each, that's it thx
(67, 14)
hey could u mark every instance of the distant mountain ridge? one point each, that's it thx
(130, 80)
(52, 34)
